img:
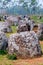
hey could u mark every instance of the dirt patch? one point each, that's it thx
(41, 42)
(35, 61)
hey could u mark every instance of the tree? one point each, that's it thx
(21, 1)
(33, 5)
(25, 4)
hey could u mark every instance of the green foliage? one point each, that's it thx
(33, 2)
(25, 4)
(12, 57)
(20, 1)
(3, 52)
(34, 6)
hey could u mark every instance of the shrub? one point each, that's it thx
(12, 57)
(3, 52)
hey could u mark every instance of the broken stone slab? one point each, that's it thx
(24, 44)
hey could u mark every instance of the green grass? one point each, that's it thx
(3, 52)
(36, 19)
(4, 60)
(2, 57)
(14, 30)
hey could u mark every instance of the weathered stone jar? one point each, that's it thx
(24, 25)
(24, 44)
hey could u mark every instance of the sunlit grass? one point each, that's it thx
(36, 19)
(4, 60)
(14, 30)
